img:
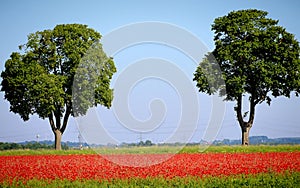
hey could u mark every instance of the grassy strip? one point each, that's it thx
(161, 149)
(288, 179)
(241, 149)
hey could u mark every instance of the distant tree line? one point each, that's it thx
(141, 143)
(256, 140)
(47, 144)
(27, 145)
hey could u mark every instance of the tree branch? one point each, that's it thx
(239, 110)
(66, 117)
(51, 121)
(252, 110)
(57, 117)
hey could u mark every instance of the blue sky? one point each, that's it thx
(19, 18)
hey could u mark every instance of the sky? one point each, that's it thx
(156, 94)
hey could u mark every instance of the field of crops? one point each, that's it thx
(224, 166)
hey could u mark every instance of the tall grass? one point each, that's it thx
(161, 149)
(288, 179)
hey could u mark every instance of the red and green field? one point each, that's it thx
(254, 166)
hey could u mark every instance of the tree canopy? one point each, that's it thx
(39, 78)
(256, 57)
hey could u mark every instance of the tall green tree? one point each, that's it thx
(39, 78)
(258, 59)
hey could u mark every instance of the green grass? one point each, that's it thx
(242, 149)
(45, 152)
(161, 149)
(288, 179)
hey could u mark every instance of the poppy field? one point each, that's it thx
(163, 168)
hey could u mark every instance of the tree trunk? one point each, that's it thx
(245, 125)
(57, 129)
(58, 136)
(245, 135)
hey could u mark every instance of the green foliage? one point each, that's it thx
(288, 179)
(209, 76)
(91, 85)
(39, 78)
(255, 55)
(10, 146)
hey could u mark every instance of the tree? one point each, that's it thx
(258, 59)
(39, 78)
